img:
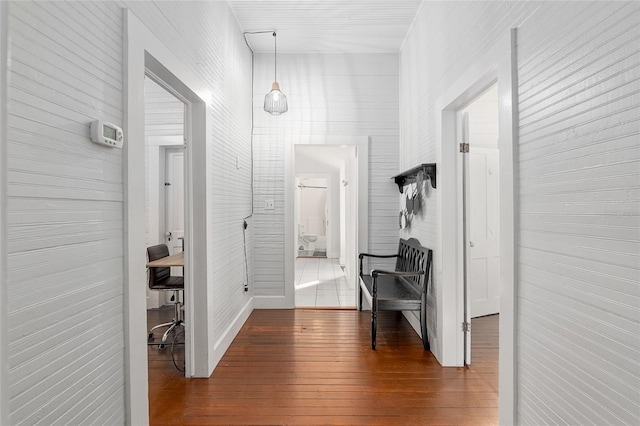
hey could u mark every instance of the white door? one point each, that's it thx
(484, 227)
(174, 203)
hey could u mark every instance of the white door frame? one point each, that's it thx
(144, 54)
(162, 199)
(362, 151)
(499, 63)
(4, 64)
(162, 173)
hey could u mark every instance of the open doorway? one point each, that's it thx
(165, 221)
(146, 55)
(479, 131)
(325, 216)
(497, 65)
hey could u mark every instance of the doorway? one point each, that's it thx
(479, 131)
(146, 55)
(325, 216)
(165, 117)
(497, 64)
(164, 176)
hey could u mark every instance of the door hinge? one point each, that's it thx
(466, 327)
(167, 184)
(464, 148)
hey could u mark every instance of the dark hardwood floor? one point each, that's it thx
(316, 367)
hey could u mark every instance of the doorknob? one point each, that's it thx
(471, 244)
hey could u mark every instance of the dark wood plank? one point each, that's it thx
(317, 367)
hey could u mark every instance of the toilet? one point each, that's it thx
(306, 241)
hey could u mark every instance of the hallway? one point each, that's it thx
(321, 283)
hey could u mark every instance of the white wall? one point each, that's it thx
(336, 95)
(65, 197)
(65, 216)
(577, 212)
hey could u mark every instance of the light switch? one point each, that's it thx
(269, 205)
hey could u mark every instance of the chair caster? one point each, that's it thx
(150, 336)
(161, 346)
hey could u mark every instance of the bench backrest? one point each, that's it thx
(413, 257)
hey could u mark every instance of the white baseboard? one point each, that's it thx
(222, 344)
(414, 320)
(271, 302)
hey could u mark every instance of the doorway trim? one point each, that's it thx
(362, 230)
(144, 54)
(497, 64)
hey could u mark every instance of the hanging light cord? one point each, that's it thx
(275, 57)
(244, 221)
(275, 49)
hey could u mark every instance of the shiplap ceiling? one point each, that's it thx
(336, 26)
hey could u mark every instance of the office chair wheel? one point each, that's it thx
(162, 346)
(150, 336)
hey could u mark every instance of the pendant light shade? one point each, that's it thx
(275, 102)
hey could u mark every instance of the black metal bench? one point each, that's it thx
(404, 289)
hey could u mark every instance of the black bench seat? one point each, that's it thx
(404, 289)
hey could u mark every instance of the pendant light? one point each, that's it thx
(275, 102)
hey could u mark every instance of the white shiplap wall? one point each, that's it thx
(65, 199)
(579, 292)
(65, 217)
(579, 184)
(4, 58)
(336, 95)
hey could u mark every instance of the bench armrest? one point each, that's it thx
(361, 255)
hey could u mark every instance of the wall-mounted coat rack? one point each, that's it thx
(409, 176)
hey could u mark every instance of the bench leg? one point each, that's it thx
(359, 298)
(374, 327)
(423, 324)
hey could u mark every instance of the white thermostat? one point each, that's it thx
(106, 134)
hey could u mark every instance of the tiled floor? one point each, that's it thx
(321, 283)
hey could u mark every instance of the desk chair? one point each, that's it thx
(160, 279)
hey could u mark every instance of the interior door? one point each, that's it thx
(484, 228)
(174, 202)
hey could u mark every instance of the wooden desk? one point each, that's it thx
(173, 260)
